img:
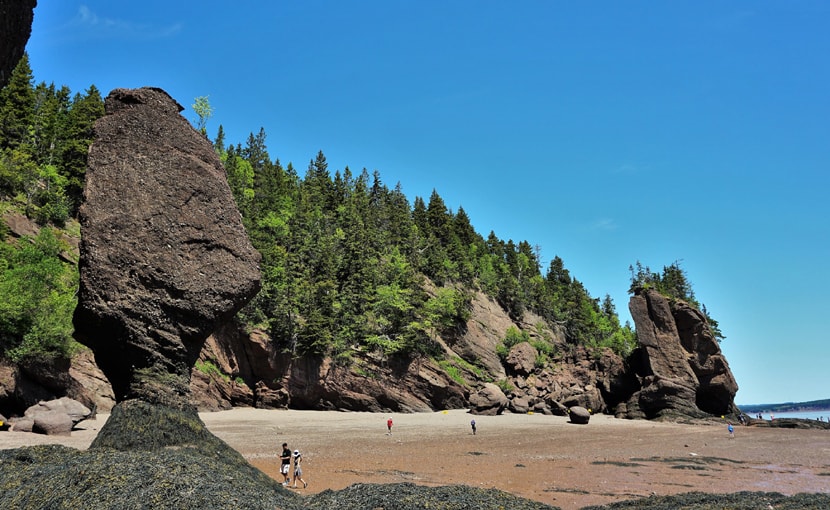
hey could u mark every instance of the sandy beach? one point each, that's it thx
(544, 458)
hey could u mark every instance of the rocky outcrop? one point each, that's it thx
(485, 329)
(249, 371)
(164, 256)
(241, 368)
(15, 27)
(679, 363)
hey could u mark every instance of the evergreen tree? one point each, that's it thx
(83, 112)
(17, 107)
(219, 142)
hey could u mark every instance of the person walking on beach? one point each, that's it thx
(285, 468)
(731, 430)
(389, 426)
(298, 470)
(473, 426)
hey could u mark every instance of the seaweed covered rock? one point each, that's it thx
(164, 258)
(735, 501)
(408, 496)
(58, 477)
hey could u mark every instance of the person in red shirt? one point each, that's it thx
(389, 426)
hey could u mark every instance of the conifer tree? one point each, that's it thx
(17, 106)
(83, 112)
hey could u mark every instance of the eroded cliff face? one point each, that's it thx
(679, 364)
(245, 369)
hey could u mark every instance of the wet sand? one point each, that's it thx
(544, 458)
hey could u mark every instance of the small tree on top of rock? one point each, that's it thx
(672, 283)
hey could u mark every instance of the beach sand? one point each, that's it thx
(539, 457)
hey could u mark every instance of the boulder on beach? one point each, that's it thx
(579, 415)
(489, 400)
(53, 417)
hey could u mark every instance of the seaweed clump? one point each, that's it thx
(736, 501)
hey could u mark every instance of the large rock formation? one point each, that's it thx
(679, 362)
(237, 368)
(243, 368)
(15, 27)
(164, 256)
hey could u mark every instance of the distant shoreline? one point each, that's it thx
(788, 407)
(821, 415)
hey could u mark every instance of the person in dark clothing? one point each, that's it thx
(285, 468)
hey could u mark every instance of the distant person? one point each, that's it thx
(731, 430)
(389, 426)
(298, 470)
(285, 468)
(473, 426)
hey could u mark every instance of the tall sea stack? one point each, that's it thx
(164, 257)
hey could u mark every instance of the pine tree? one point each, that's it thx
(83, 112)
(17, 106)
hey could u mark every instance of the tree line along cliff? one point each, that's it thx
(351, 270)
(344, 256)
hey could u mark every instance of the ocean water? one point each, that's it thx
(807, 415)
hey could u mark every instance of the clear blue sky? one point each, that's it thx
(606, 132)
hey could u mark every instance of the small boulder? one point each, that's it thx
(520, 405)
(53, 417)
(489, 400)
(23, 424)
(76, 411)
(52, 423)
(579, 415)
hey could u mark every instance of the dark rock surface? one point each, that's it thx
(679, 362)
(15, 28)
(164, 256)
(579, 415)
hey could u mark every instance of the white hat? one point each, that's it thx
(296, 453)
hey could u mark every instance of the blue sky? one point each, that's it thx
(605, 132)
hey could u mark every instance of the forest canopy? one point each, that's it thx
(348, 263)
